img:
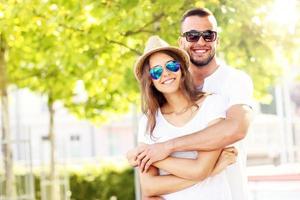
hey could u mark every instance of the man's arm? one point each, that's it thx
(217, 136)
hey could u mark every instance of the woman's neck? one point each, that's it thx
(176, 103)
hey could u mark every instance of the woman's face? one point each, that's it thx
(169, 80)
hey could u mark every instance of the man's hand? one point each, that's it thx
(152, 153)
(227, 157)
(133, 153)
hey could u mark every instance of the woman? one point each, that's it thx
(172, 107)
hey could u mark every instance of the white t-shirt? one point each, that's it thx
(212, 188)
(237, 88)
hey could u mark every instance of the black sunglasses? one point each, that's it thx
(194, 36)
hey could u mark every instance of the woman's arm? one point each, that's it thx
(191, 169)
(154, 185)
(227, 157)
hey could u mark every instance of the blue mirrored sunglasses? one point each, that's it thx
(156, 72)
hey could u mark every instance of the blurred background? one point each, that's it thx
(70, 103)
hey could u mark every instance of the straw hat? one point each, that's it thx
(155, 44)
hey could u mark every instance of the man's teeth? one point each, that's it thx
(200, 51)
(169, 81)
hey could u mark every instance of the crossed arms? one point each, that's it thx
(217, 136)
(183, 172)
(212, 139)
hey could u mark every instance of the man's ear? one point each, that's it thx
(180, 42)
(218, 41)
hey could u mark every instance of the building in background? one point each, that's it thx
(79, 141)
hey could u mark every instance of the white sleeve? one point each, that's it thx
(143, 135)
(216, 107)
(239, 89)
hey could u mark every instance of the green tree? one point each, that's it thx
(55, 46)
(6, 134)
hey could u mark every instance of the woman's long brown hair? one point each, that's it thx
(152, 99)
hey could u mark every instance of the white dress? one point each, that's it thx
(212, 188)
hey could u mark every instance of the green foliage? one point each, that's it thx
(90, 184)
(102, 186)
(52, 45)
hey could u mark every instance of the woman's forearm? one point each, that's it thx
(160, 185)
(153, 184)
(191, 169)
(181, 167)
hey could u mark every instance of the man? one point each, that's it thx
(199, 38)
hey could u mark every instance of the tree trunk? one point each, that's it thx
(6, 135)
(54, 184)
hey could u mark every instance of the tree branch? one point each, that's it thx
(143, 28)
(124, 45)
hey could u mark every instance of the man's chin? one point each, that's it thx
(199, 64)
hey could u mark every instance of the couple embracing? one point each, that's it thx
(196, 111)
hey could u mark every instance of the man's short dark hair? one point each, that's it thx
(201, 12)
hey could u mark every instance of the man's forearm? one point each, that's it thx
(217, 136)
(212, 138)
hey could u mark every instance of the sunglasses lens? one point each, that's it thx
(173, 66)
(192, 36)
(209, 36)
(156, 72)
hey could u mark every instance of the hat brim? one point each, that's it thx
(138, 67)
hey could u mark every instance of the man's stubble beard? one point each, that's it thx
(202, 63)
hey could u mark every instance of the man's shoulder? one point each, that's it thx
(232, 71)
(234, 75)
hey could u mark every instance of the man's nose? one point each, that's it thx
(201, 41)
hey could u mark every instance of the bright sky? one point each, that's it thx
(285, 13)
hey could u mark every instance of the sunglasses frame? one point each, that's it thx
(156, 77)
(200, 34)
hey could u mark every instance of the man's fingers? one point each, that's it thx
(140, 157)
(143, 163)
(147, 165)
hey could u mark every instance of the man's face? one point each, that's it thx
(201, 52)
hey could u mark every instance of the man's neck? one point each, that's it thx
(200, 73)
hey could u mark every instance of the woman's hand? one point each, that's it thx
(227, 157)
